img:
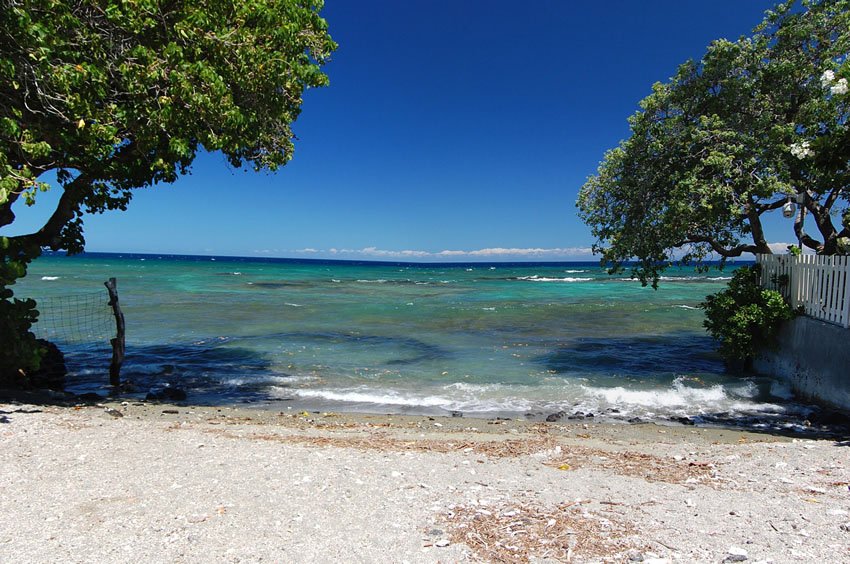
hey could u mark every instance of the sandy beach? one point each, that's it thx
(152, 482)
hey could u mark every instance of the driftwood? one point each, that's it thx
(118, 341)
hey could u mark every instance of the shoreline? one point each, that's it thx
(827, 423)
(200, 483)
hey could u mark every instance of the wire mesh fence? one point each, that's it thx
(76, 319)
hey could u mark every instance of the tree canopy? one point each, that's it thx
(755, 124)
(115, 95)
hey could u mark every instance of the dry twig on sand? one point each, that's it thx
(518, 533)
(636, 464)
(382, 441)
(565, 457)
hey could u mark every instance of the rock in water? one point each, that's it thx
(683, 420)
(828, 417)
(51, 373)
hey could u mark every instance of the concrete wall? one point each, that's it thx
(814, 357)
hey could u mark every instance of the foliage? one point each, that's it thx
(20, 353)
(744, 317)
(728, 139)
(110, 96)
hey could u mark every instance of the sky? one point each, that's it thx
(451, 130)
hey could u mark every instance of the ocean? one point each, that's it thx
(528, 340)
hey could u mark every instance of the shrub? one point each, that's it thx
(20, 353)
(744, 317)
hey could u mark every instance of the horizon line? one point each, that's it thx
(346, 260)
(269, 258)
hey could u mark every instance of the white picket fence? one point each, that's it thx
(820, 284)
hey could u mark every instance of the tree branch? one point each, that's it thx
(802, 236)
(830, 199)
(755, 226)
(50, 235)
(723, 251)
(7, 216)
(823, 221)
(762, 208)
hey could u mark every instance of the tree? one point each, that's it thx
(758, 123)
(106, 97)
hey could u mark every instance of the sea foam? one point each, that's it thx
(537, 278)
(676, 396)
(378, 397)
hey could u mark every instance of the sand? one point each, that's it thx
(157, 483)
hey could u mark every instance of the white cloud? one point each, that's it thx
(492, 253)
(532, 252)
(782, 248)
(779, 248)
(447, 254)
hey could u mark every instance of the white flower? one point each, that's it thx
(826, 78)
(839, 87)
(802, 150)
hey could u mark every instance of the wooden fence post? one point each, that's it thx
(118, 341)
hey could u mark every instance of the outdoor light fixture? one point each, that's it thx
(788, 209)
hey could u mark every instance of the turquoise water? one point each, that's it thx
(481, 339)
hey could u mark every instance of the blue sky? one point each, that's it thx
(452, 130)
